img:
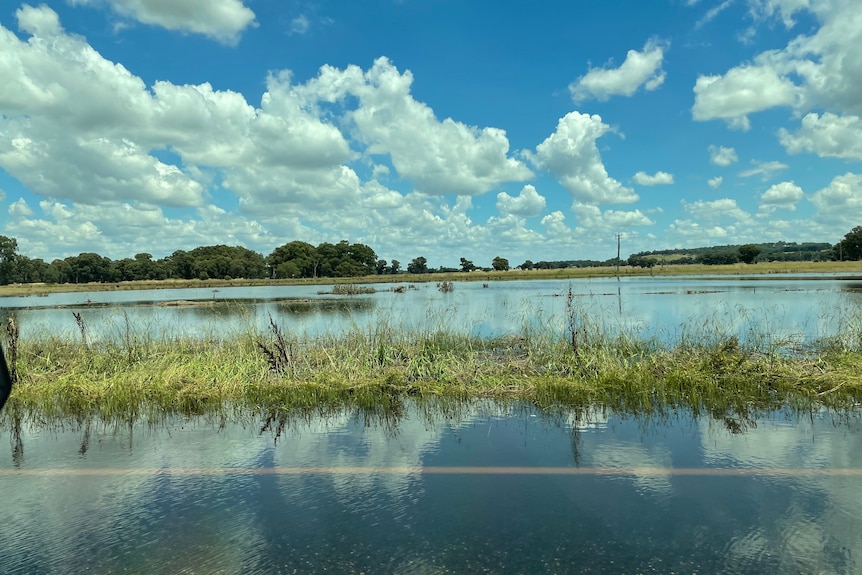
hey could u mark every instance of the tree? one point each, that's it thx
(394, 267)
(637, 260)
(8, 259)
(527, 265)
(467, 265)
(302, 255)
(500, 264)
(418, 266)
(748, 252)
(381, 267)
(718, 258)
(850, 248)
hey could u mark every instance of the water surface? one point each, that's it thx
(485, 487)
(665, 307)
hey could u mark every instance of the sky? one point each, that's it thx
(434, 128)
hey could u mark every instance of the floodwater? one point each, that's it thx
(477, 488)
(667, 307)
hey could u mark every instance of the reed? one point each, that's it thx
(710, 370)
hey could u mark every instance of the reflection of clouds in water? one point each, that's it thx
(823, 519)
(617, 455)
(83, 518)
(336, 442)
(664, 307)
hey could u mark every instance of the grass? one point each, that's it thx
(349, 289)
(849, 268)
(136, 377)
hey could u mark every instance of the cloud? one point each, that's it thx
(721, 156)
(840, 203)
(713, 12)
(784, 195)
(701, 234)
(639, 69)
(828, 135)
(717, 209)
(660, 178)
(19, 208)
(592, 220)
(715, 182)
(528, 203)
(764, 169)
(299, 25)
(555, 226)
(222, 20)
(740, 92)
(785, 9)
(571, 156)
(823, 69)
(439, 157)
(119, 229)
(101, 147)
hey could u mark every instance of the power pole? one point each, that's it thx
(618, 253)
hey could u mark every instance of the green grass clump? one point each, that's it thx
(134, 377)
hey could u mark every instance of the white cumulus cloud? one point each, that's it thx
(740, 92)
(715, 182)
(717, 209)
(659, 178)
(784, 195)
(840, 203)
(822, 69)
(439, 157)
(223, 20)
(527, 204)
(828, 135)
(571, 156)
(639, 69)
(721, 156)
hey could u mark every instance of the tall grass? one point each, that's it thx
(708, 369)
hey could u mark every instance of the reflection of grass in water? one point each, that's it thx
(376, 368)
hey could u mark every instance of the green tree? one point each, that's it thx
(394, 267)
(304, 257)
(8, 259)
(418, 266)
(381, 267)
(748, 252)
(636, 260)
(179, 265)
(718, 258)
(850, 248)
(467, 265)
(90, 267)
(527, 265)
(500, 264)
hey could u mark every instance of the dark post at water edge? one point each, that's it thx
(5, 380)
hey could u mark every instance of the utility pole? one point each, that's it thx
(618, 253)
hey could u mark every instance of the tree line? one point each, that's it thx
(292, 260)
(302, 260)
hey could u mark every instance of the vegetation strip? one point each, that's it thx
(135, 376)
(345, 470)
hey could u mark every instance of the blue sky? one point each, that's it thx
(445, 129)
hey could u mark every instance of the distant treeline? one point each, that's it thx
(296, 259)
(730, 254)
(303, 260)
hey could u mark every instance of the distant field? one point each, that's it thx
(850, 268)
